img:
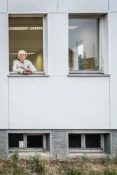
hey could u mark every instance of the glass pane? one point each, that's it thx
(93, 141)
(34, 141)
(74, 140)
(83, 44)
(14, 139)
(26, 33)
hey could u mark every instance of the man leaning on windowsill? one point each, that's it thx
(22, 65)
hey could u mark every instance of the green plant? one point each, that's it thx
(109, 172)
(52, 173)
(75, 172)
(94, 173)
(56, 157)
(35, 164)
(15, 155)
(105, 159)
(84, 158)
(18, 170)
(115, 158)
(5, 169)
(60, 169)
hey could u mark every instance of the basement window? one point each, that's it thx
(14, 140)
(74, 140)
(34, 141)
(93, 140)
(30, 142)
(86, 142)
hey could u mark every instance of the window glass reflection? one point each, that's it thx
(83, 43)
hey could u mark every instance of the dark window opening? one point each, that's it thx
(93, 141)
(14, 139)
(35, 141)
(74, 140)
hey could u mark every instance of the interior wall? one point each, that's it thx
(37, 60)
(87, 32)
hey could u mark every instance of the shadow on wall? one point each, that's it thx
(36, 59)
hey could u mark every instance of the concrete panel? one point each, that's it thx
(3, 6)
(59, 103)
(58, 44)
(3, 73)
(113, 5)
(113, 70)
(32, 6)
(82, 5)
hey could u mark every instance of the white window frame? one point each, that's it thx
(45, 43)
(103, 65)
(83, 148)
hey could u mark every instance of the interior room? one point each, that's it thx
(83, 43)
(26, 33)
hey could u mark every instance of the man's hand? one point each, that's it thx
(27, 71)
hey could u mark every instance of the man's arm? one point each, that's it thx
(16, 69)
(32, 68)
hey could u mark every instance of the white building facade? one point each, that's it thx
(69, 104)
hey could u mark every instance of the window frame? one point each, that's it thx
(92, 15)
(83, 148)
(45, 43)
(25, 148)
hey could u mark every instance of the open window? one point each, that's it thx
(28, 32)
(29, 142)
(87, 49)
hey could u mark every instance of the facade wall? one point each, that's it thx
(57, 96)
(58, 101)
(58, 141)
(3, 143)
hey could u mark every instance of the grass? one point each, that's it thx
(35, 166)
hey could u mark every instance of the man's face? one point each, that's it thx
(22, 57)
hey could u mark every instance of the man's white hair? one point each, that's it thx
(22, 52)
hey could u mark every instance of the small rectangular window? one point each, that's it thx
(34, 141)
(24, 142)
(14, 140)
(86, 142)
(84, 50)
(93, 141)
(74, 140)
(26, 33)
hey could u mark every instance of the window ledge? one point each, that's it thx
(76, 150)
(88, 75)
(31, 75)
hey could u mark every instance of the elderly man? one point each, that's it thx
(22, 65)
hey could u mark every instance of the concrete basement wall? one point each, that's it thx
(3, 143)
(57, 141)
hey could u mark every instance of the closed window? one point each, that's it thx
(85, 43)
(86, 142)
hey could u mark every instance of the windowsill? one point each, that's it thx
(88, 155)
(87, 150)
(35, 74)
(44, 154)
(88, 75)
(26, 149)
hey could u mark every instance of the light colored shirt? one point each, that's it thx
(19, 67)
